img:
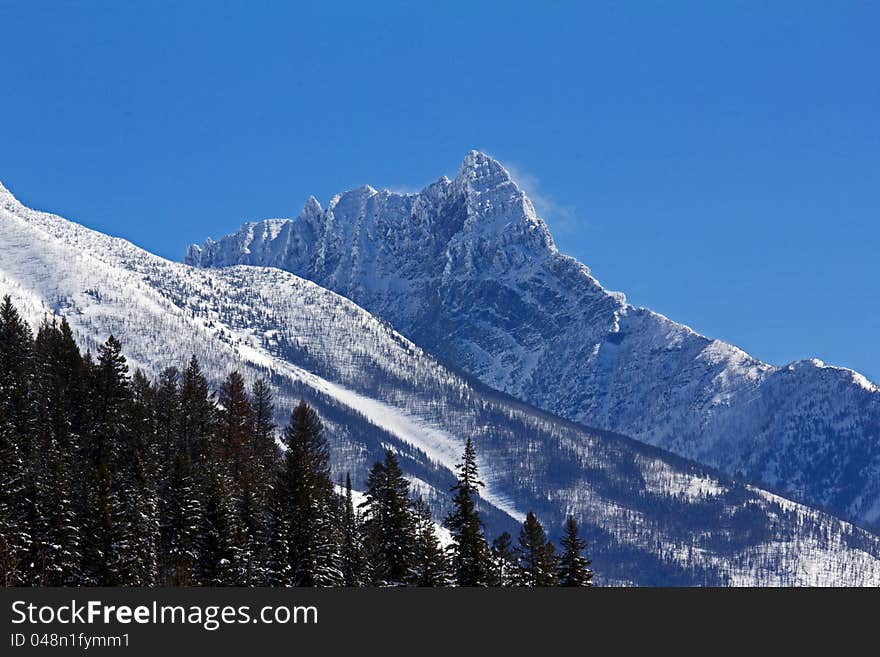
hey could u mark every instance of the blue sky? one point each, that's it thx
(717, 161)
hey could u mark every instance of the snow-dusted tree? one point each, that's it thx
(574, 567)
(180, 522)
(430, 567)
(263, 449)
(220, 538)
(308, 493)
(16, 372)
(14, 531)
(166, 410)
(504, 564)
(278, 564)
(389, 525)
(16, 363)
(351, 549)
(537, 558)
(56, 537)
(235, 423)
(197, 413)
(469, 551)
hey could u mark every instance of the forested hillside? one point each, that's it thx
(110, 479)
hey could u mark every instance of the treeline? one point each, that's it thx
(110, 479)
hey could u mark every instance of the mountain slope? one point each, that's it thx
(467, 270)
(650, 517)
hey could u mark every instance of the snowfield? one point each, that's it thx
(649, 517)
(467, 270)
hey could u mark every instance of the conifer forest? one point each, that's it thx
(108, 478)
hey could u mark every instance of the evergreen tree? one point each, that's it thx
(167, 411)
(55, 532)
(504, 564)
(308, 491)
(197, 413)
(537, 559)
(180, 523)
(220, 539)
(14, 532)
(16, 430)
(250, 461)
(574, 567)
(352, 551)
(470, 553)
(235, 424)
(98, 549)
(146, 472)
(253, 519)
(261, 464)
(263, 449)
(278, 543)
(429, 561)
(110, 394)
(74, 369)
(109, 557)
(389, 526)
(16, 366)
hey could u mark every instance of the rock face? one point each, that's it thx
(467, 270)
(649, 517)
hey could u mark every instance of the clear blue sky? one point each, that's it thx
(717, 161)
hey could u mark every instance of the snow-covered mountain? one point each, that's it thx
(467, 270)
(650, 517)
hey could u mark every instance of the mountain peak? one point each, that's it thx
(312, 207)
(478, 165)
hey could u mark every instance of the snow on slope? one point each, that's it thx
(650, 517)
(467, 270)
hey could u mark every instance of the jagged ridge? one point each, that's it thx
(467, 270)
(651, 518)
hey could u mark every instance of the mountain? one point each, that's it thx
(650, 517)
(467, 270)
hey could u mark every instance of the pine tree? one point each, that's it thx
(197, 414)
(167, 413)
(110, 393)
(308, 491)
(16, 431)
(260, 459)
(98, 558)
(352, 551)
(51, 518)
(16, 366)
(56, 467)
(56, 537)
(537, 560)
(75, 370)
(109, 555)
(470, 553)
(220, 539)
(254, 554)
(14, 533)
(429, 562)
(146, 464)
(235, 424)
(180, 523)
(278, 543)
(389, 526)
(263, 449)
(574, 568)
(504, 564)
